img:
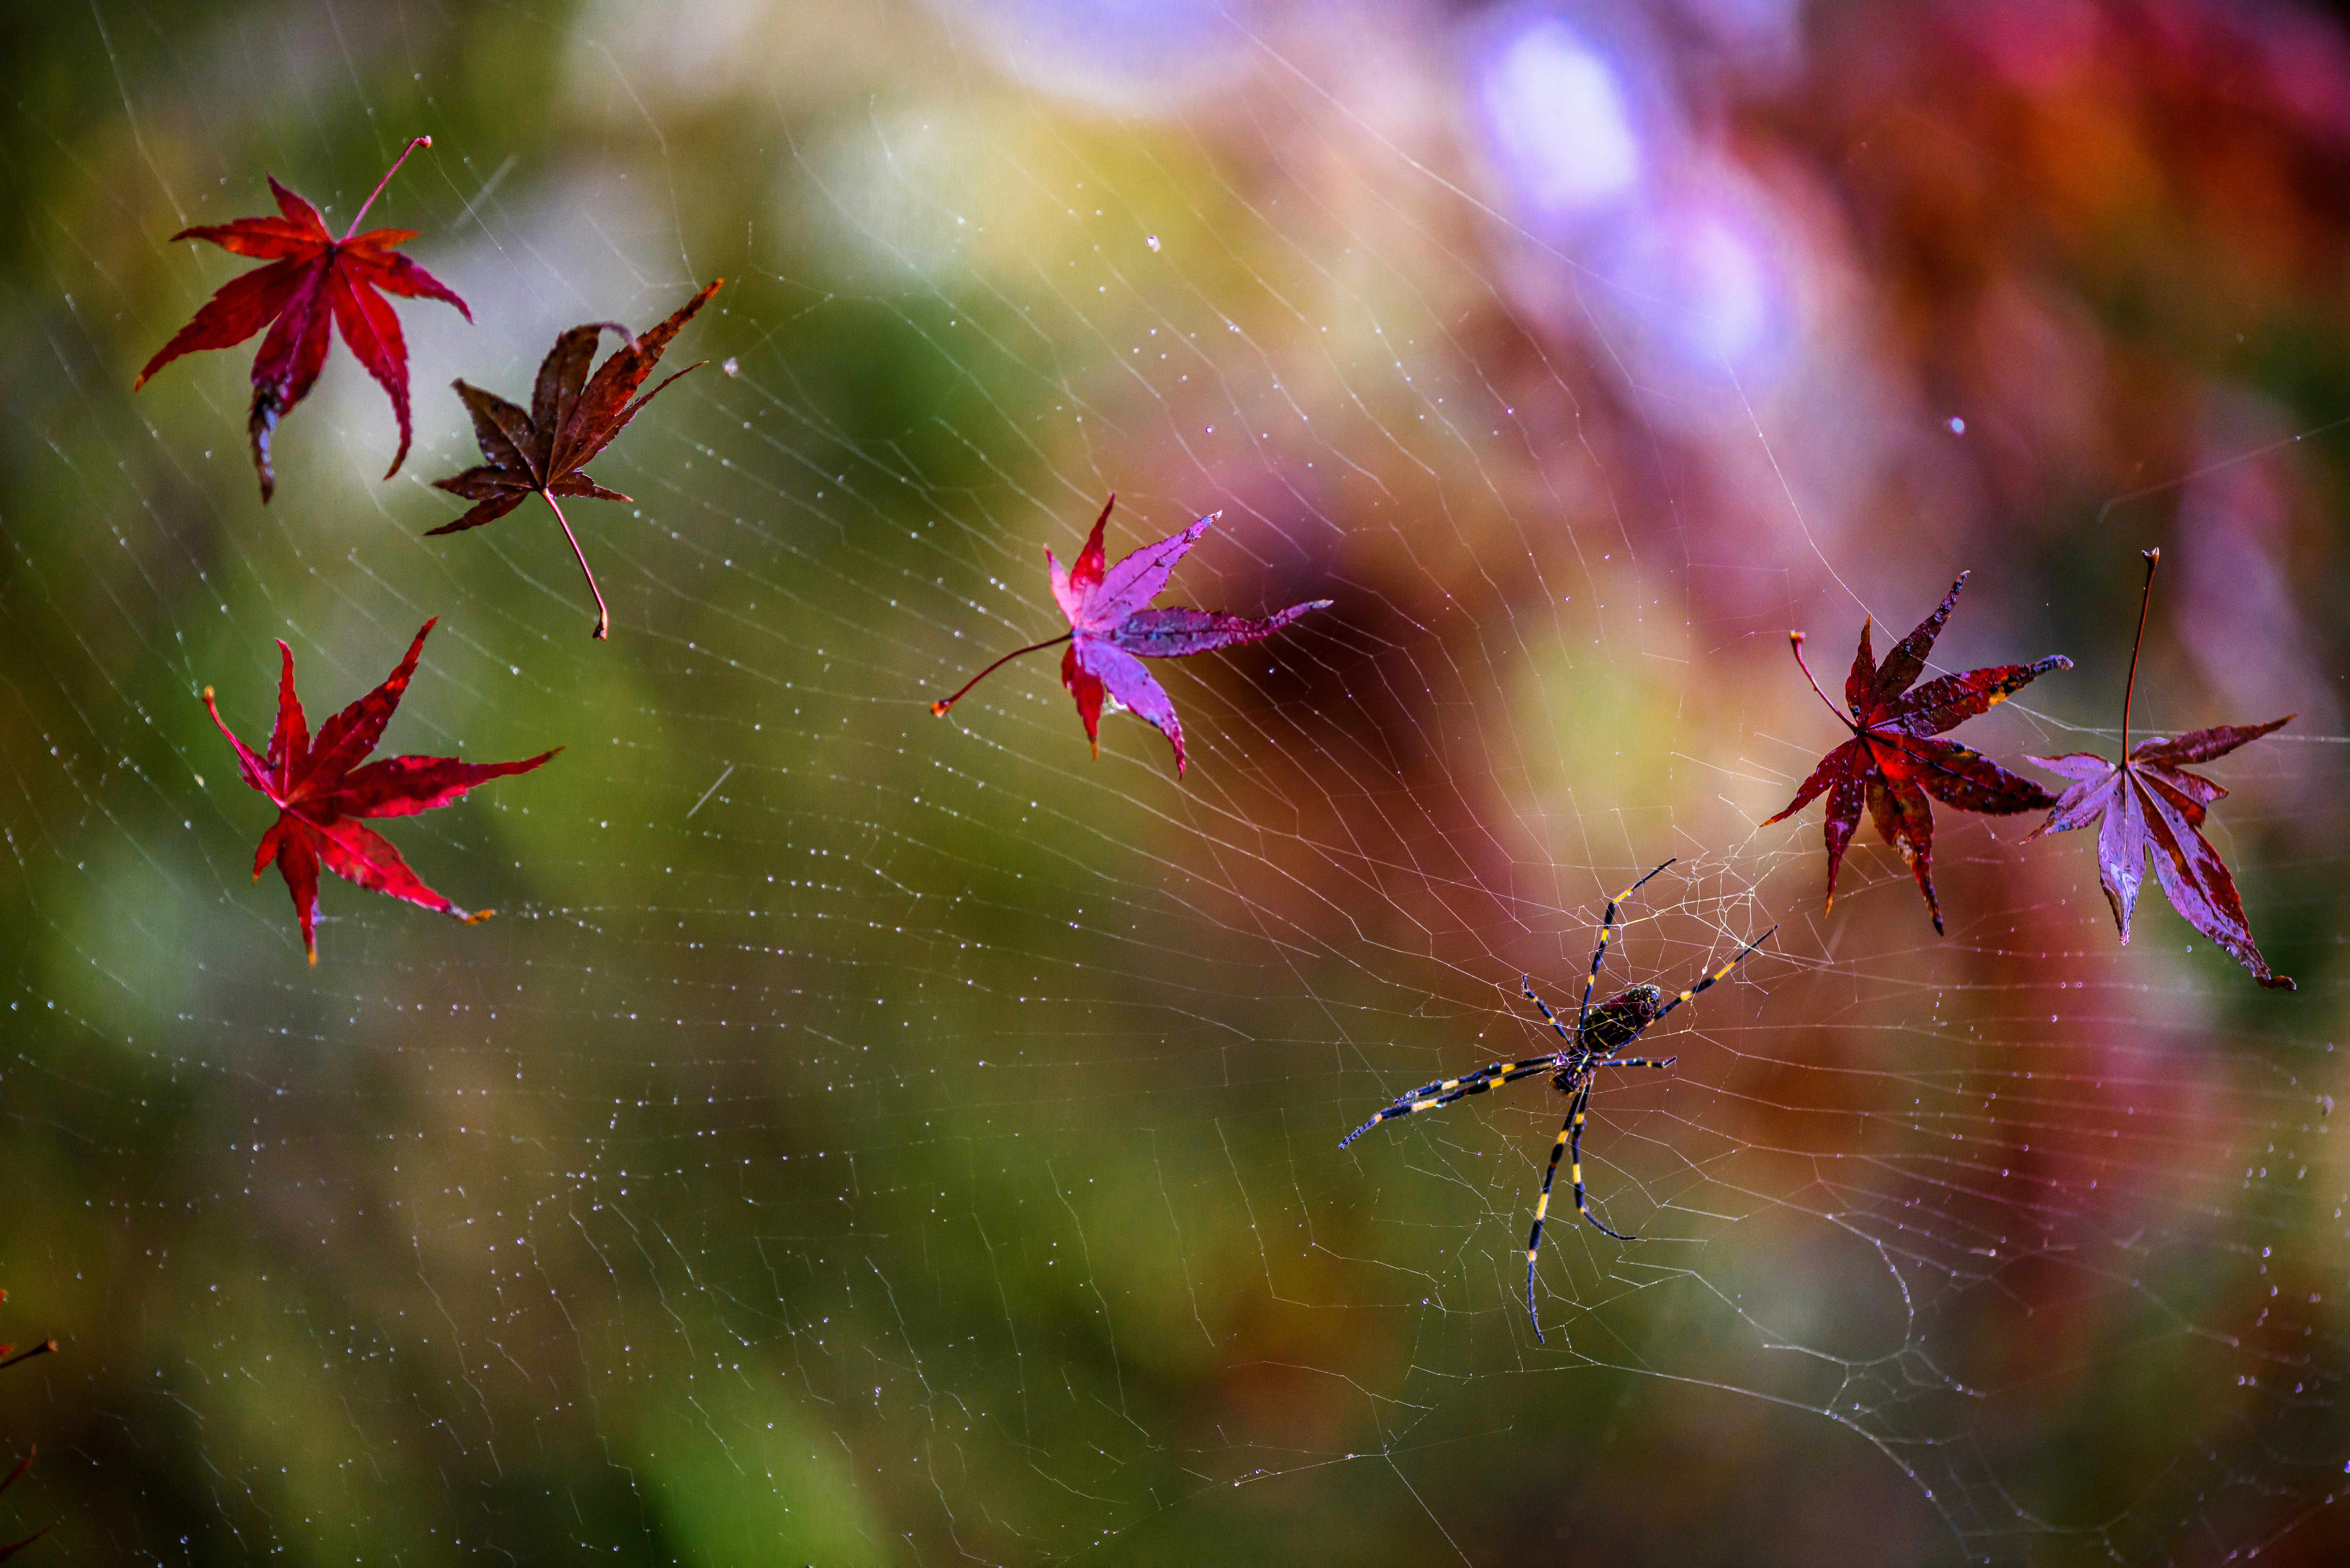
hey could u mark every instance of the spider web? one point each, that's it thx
(866, 1137)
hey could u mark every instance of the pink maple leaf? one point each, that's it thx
(1111, 631)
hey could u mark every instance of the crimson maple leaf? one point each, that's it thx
(2152, 805)
(322, 788)
(571, 419)
(313, 279)
(1894, 759)
(1109, 627)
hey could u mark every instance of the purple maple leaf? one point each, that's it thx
(2149, 806)
(1110, 631)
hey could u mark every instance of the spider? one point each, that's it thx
(1598, 1035)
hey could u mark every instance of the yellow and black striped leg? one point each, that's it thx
(1570, 1134)
(1600, 953)
(1637, 1062)
(1575, 1167)
(1527, 985)
(1707, 983)
(1429, 1097)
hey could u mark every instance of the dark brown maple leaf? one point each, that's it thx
(2151, 805)
(572, 418)
(313, 280)
(1894, 760)
(322, 788)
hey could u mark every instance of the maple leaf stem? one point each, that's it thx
(218, 723)
(18, 1474)
(414, 143)
(603, 616)
(46, 1347)
(237, 746)
(2153, 559)
(1796, 640)
(939, 709)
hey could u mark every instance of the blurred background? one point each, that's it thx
(866, 1137)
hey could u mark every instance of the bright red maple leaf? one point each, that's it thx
(1109, 627)
(572, 417)
(2152, 805)
(322, 788)
(1895, 760)
(313, 280)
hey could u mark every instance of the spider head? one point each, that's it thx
(1612, 1025)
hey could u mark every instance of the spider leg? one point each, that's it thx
(1542, 1206)
(1574, 1165)
(1526, 983)
(1429, 1097)
(1570, 1138)
(1705, 983)
(1600, 953)
(1635, 1061)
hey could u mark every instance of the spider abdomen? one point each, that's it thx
(1613, 1023)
